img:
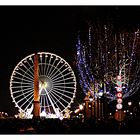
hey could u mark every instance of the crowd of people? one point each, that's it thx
(68, 126)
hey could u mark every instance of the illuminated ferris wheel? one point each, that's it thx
(57, 83)
(103, 53)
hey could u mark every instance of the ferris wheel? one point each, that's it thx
(57, 83)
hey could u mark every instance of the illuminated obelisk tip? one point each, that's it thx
(36, 109)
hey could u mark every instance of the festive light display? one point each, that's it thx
(105, 54)
(119, 92)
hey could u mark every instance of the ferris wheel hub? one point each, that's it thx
(45, 82)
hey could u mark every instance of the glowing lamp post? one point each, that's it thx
(81, 107)
(100, 94)
(129, 103)
(100, 111)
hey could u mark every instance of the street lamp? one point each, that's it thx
(81, 107)
(100, 111)
(90, 99)
(129, 103)
(100, 93)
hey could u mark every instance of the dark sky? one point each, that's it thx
(28, 29)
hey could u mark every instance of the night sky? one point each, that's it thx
(28, 29)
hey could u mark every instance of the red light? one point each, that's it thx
(119, 95)
(119, 100)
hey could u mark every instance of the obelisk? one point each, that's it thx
(36, 103)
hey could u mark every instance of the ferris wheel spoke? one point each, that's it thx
(39, 71)
(24, 98)
(18, 96)
(63, 91)
(26, 73)
(51, 94)
(62, 94)
(30, 92)
(56, 80)
(60, 73)
(27, 101)
(61, 97)
(41, 100)
(63, 87)
(24, 76)
(48, 65)
(51, 67)
(28, 81)
(50, 101)
(30, 103)
(31, 72)
(26, 86)
(58, 91)
(40, 90)
(47, 103)
(41, 64)
(55, 68)
(23, 83)
(24, 93)
(58, 100)
(44, 101)
(64, 75)
(16, 87)
(57, 76)
(63, 83)
(45, 66)
(29, 96)
(55, 102)
(32, 67)
(21, 90)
